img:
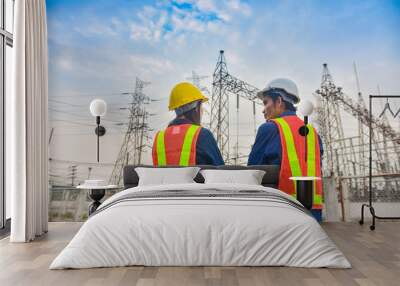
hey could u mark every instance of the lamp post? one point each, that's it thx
(98, 108)
(305, 184)
(305, 108)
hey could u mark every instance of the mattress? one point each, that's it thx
(201, 225)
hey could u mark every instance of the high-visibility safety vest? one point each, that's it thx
(176, 145)
(293, 162)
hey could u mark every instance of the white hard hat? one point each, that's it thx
(284, 87)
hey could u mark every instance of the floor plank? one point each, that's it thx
(375, 257)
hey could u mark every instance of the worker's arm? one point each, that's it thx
(321, 150)
(267, 146)
(321, 147)
(207, 151)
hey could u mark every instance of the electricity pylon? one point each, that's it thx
(224, 85)
(136, 135)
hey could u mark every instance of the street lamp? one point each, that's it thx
(306, 108)
(305, 185)
(98, 108)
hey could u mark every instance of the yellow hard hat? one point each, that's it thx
(184, 93)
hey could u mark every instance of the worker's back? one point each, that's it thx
(267, 148)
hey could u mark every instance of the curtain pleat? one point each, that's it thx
(29, 158)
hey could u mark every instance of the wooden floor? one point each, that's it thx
(375, 257)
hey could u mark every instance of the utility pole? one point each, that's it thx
(73, 174)
(89, 172)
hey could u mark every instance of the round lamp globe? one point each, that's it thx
(98, 107)
(306, 107)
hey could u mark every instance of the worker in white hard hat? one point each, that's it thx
(280, 142)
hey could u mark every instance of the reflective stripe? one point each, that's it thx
(187, 145)
(161, 156)
(310, 151)
(291, 150)
(317, 198)
(311, 164)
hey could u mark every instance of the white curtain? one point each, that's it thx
(28, 117)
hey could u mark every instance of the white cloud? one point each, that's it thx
(97, 29)
(187, 23)
(237, 5)
(140, 32)
(64, 64)
(152, 29)
(167, 20)
(150, 65)
(206, 5)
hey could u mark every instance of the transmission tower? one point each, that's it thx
(346, 156)
(224, 84)
(136, 135)
(196, 80)
(363, 139)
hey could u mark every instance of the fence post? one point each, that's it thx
(331, 199)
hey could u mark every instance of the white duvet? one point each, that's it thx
(200, 231)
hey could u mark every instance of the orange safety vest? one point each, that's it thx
(293, 163)
(176, 145)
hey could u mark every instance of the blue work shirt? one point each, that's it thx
(207, 151)
(267, 149)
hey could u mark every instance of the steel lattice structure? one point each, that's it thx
(196, 80)
(223, 86)
(346, 157)
(136, 134)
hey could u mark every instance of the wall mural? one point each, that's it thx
(112, 65)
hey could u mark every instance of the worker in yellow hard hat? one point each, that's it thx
(185, 142)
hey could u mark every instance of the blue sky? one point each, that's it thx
(92, 43)
(97, 47)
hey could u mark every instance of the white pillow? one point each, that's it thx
(248, 177)
(166, 176)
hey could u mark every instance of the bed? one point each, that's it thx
(197, 224)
